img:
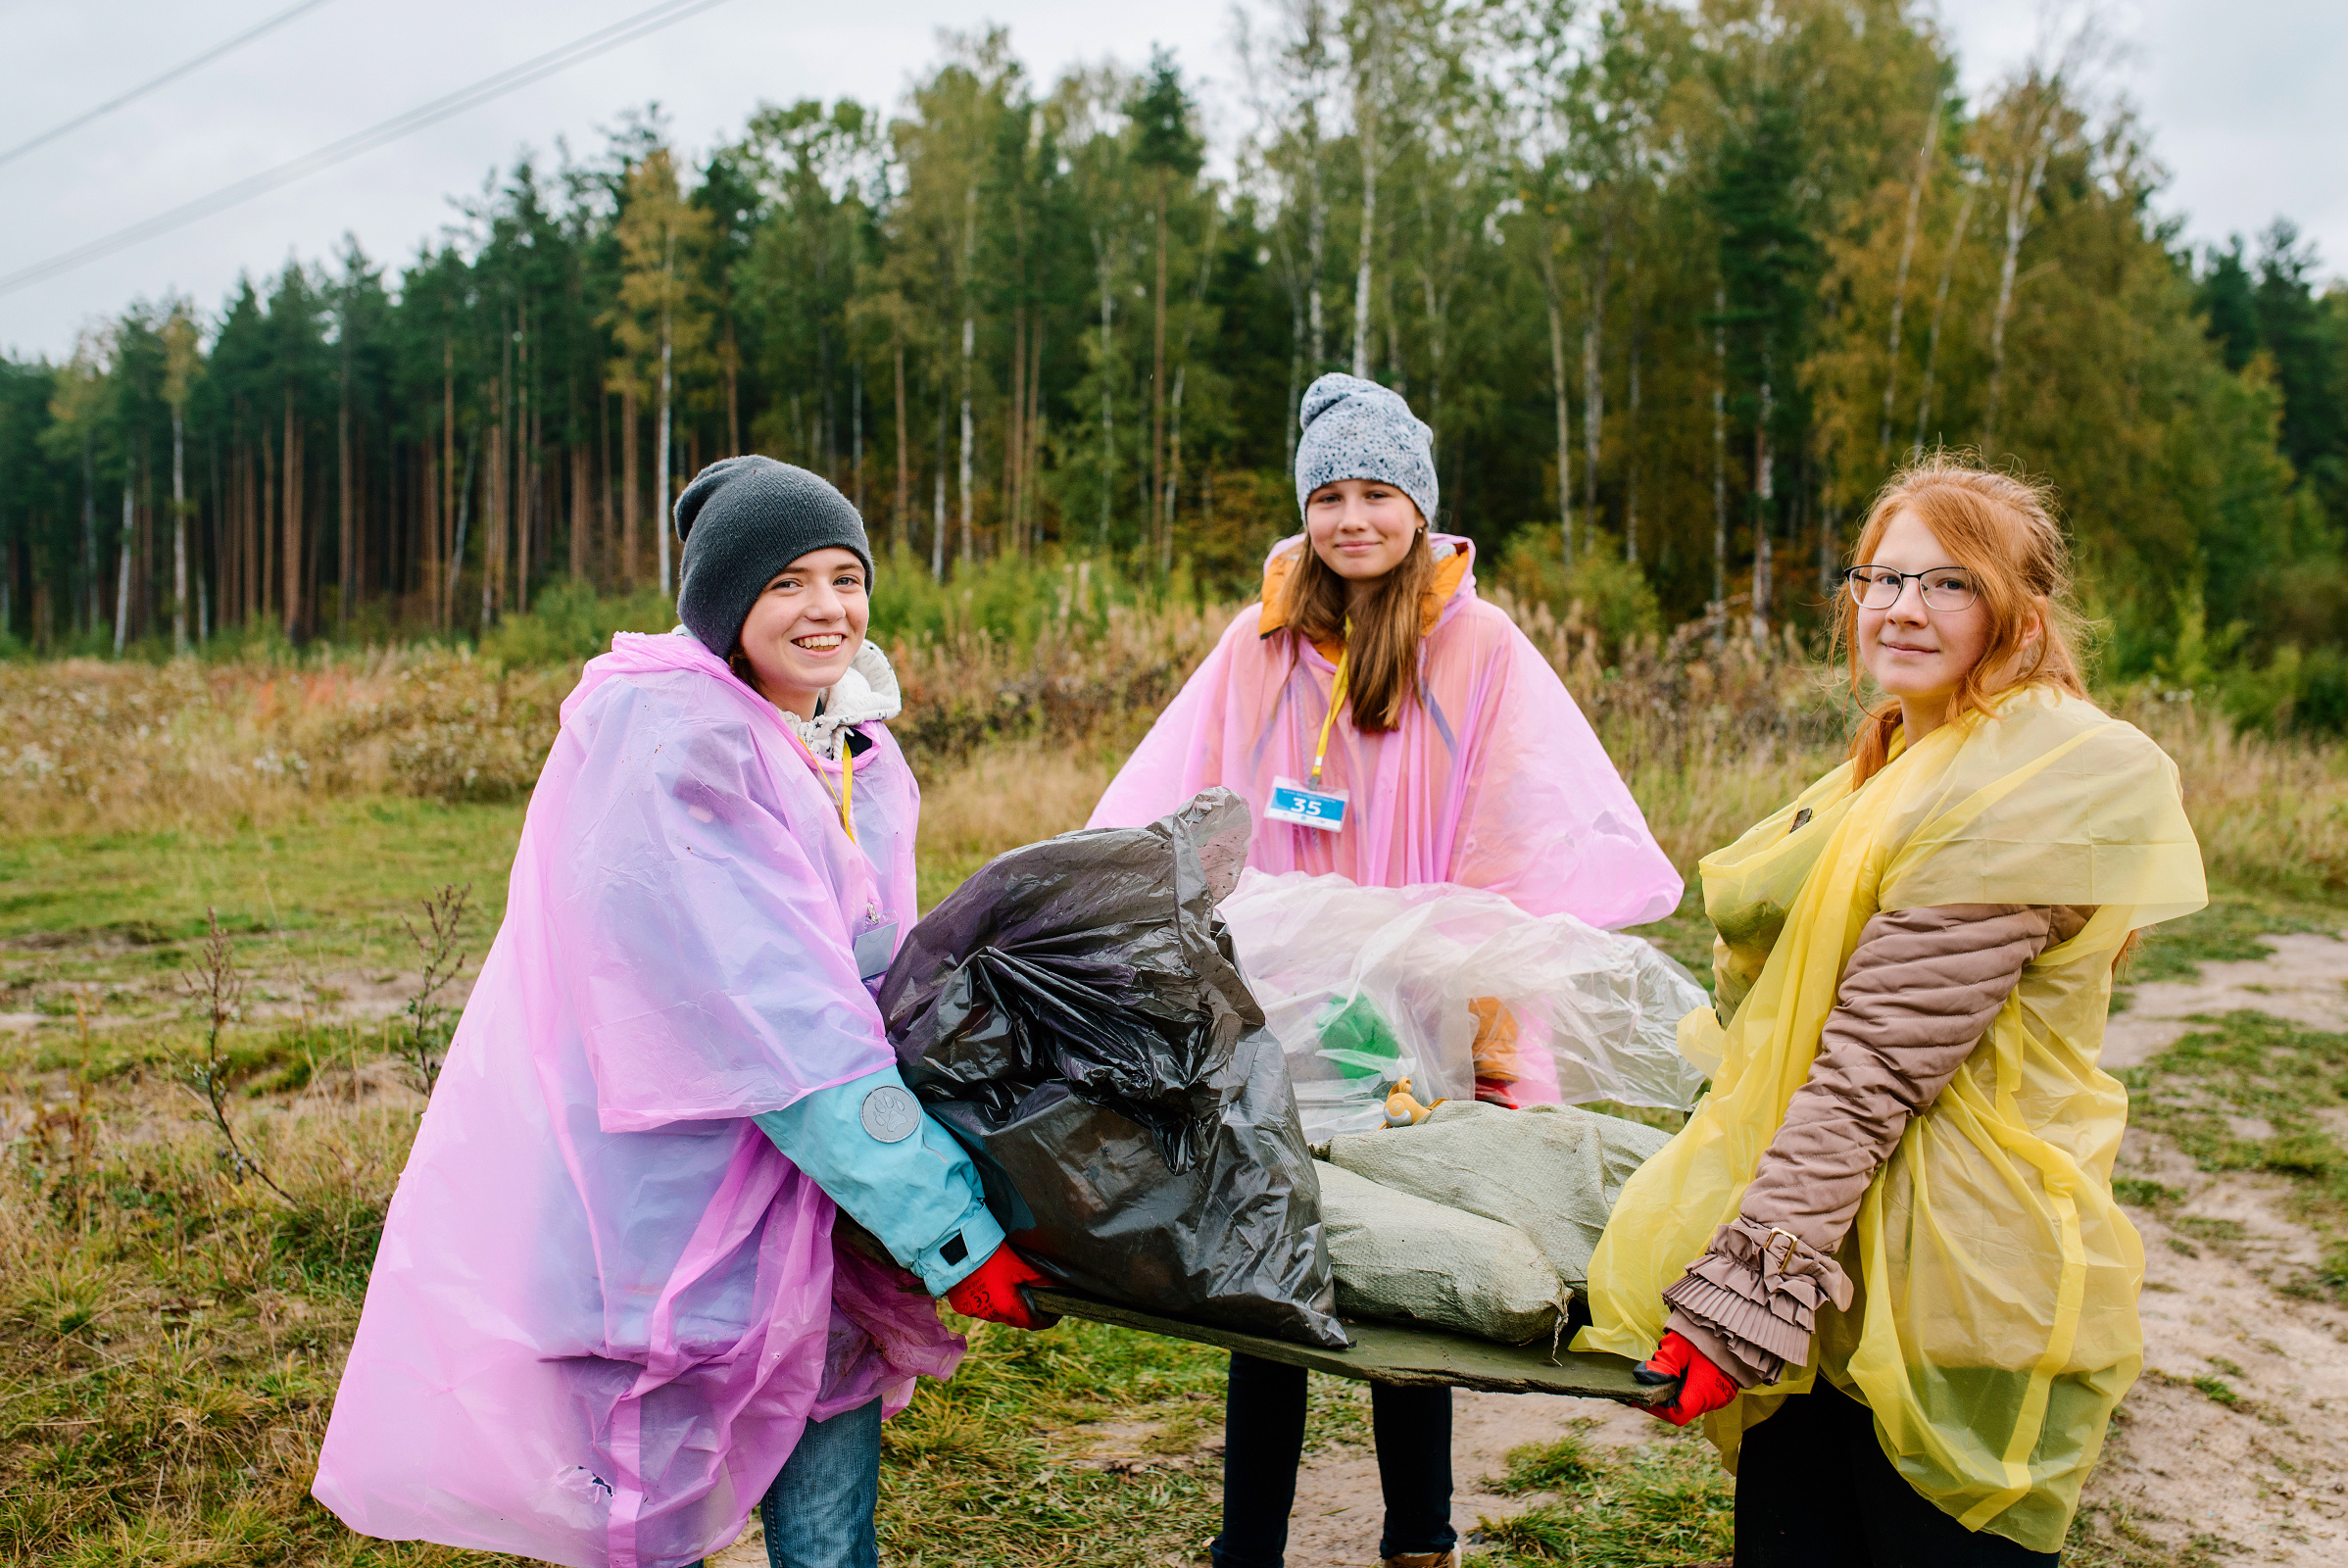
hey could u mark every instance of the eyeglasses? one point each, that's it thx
(1945, 588)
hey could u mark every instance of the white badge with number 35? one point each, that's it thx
(1305, 806)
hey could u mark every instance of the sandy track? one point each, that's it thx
(2305, 981)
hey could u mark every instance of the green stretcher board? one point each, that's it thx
(1394, 1353)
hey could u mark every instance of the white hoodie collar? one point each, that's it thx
(866, 694)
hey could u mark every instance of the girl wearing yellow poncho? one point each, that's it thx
(1883, 1254)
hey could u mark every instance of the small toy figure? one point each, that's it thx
(1402, 1109)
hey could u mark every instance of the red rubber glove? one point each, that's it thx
(1703, 1387)
(990, 1290)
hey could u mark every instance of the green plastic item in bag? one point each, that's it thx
(1356, 1037)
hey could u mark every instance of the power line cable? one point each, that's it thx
(268, 25)
(649, 20)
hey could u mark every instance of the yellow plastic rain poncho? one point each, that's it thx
(1993, 1323)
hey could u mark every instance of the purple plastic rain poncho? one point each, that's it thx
(1493, 780)
(606, 1305)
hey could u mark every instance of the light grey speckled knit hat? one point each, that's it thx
(1357, 429)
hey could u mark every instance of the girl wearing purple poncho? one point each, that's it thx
(610, 1314)
(1388, 726)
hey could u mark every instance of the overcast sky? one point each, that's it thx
(2244, 97)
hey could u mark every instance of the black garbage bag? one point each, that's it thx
(1073, 1014)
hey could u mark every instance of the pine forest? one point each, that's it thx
(1677, 286)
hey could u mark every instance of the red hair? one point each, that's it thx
(2002, 529)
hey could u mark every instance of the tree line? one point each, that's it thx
(1676, 287)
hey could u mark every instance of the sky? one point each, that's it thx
(2242, 96)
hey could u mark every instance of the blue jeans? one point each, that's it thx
(819, 1514)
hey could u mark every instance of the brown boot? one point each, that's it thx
(1423, 1560)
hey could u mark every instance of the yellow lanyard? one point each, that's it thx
(1337, 694)
(847, 785)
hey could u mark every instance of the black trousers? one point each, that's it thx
(1814, 1490)
(1263, 1441)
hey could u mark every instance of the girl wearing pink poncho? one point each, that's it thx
(1453, 754)
(613, 1311)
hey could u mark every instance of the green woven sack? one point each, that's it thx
(1399, 1256)
(1550, 1172)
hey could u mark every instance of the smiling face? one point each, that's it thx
(1362, 528)
(806, 629)
(1917, 654)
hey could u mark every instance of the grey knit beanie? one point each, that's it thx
(1357, 429)
(743, 520)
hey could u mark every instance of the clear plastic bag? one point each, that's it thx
(1368, 986)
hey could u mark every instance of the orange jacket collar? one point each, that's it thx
(1450, 575)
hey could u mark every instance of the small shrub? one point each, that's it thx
(1601, 591)
(2295, 693)
(571, 622)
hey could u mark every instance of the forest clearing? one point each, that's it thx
(177, 1306)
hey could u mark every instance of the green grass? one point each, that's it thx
(2113, 1535)
(2254, 1092)
(1665, 1501)
(98, 930)
(2218, 1389)
(980, 1469)
(335, 873)
(2138, 1192)
(2227, 931)
(933, 879)
(1568, 1461)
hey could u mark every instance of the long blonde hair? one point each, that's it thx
(2002, 529)
(1382, 651)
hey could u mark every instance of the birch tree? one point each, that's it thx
(1292, 73)
(662, 320)
(184, 364)
(1168, 150)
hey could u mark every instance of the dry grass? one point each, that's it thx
(999, 799)
(1711, 730)
(173, 1336)
(2271, 816)
(86, 745)
(92, 745)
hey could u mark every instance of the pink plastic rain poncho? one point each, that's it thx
(606, 1305)
(1493, 780)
